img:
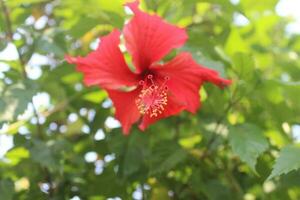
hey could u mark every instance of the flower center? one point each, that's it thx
(153, 98)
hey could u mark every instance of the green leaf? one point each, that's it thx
(46, 45)
(3, 43)
(18, 2)
(15, 100)
(244, 65)
(287, 161)
(114, 6)
(260, 6)
(7, 189)
(84, 25)
(235, 43)
(2, 105)
(190, 142)
(96, 96)
(42, 153)
(215, 65)
(248, 142)
(17, 154)
(131, 151)
(165, 156)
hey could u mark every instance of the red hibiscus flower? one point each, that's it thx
(157, 90)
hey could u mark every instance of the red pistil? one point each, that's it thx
(153, 98)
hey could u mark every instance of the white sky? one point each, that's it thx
(289, 8)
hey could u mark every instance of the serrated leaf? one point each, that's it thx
(287, 161)
(23, 97)
(15, 100)
(248, 142)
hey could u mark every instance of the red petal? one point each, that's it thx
(172, 108)
(126, 109)
(148, 38)
(186, 78)
(105, 66)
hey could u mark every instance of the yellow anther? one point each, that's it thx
(152, 99)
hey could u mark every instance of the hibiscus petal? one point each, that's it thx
(186, 78)
(148, 38)
(172, 108)
(105, 66)
(126, 109)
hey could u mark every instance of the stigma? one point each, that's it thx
(153, 97)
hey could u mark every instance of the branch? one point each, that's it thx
(220, 120)
(231, 104)
(9, 35)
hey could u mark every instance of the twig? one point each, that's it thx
(7, 20)
(9, 35)
(40, 134)
(219, 121)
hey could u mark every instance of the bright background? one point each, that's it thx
(65, 132)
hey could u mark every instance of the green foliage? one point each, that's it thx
(15, 99)
(165, 156)
(287, 161)
(241, 144)
(6, 189)
(248, 142)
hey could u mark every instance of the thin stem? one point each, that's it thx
(7, 20)
(40, 135)
(9, 35)
(220, 120)
(232, 103)
(39, 126)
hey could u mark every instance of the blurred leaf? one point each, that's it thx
(3, 44)
(42, 153)
(16, 99)
(17, 154)
(165, 156)
(47, 45)
(215, 190)
(287, 161)
(95, 97)
(74, 147)
(131, 151)
(235, 43)
(244, 66)
(114, 6)
(83, 26)
(18, 2)
(215, 65)
(248, 142)
(6, 189)
(249, 6)
(190, 142)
